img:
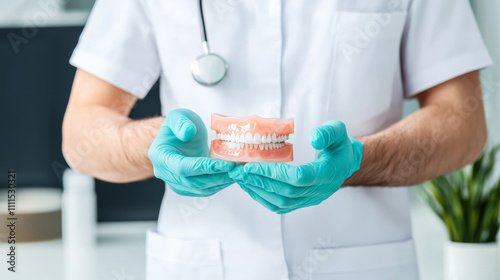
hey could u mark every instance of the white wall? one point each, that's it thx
(488, 16)
(35, 13)
(428, 230)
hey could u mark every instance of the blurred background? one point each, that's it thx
(36, 42)
(36, 79)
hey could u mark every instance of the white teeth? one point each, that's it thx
(273, 138)
(253, 141)
(248, 138)
(257, 139)
(264, 139)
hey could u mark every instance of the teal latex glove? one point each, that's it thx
(283, 188)
(180, 153)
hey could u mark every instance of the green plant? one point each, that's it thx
(468, 200)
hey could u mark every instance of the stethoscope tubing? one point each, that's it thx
(208, 69)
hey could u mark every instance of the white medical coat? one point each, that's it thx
(312, 60)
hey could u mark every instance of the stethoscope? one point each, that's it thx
(208, 69)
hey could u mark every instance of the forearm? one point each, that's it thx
(109, 146)
(437, 139)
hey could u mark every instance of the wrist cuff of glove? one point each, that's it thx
(357, 150)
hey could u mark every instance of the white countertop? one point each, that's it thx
(120, 255)
(121, 251)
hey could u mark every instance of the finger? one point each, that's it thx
(238, 170)
(307, 202)
(181, 191)
(271, 185)
(303, 175)
(304, 203)
(203, 181)
(260, 200)
(194, 166)
(329, 134)
(280, 201)
(194, 192)
(180, 123)
(272, 198)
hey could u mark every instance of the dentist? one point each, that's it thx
(341, 68)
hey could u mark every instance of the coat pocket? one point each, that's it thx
(182, 259)
(390, 261)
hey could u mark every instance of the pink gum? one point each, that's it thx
(252, 124)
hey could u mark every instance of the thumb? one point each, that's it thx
(180, 123)
(330, 133)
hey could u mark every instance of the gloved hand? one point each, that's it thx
(283, 188)
(180, 153)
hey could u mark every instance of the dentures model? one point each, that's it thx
(251, 139)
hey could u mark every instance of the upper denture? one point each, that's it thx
(252, 124)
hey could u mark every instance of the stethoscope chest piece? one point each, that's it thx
(209, 69)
